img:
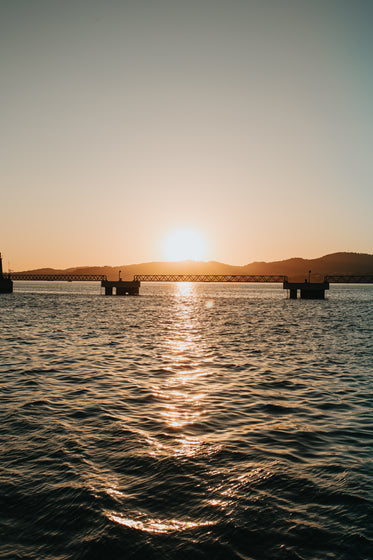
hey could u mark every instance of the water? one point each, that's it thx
(194, 421)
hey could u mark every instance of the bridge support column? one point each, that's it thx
(6, 284)
(122, 288)
(313, 294)
(308, 290)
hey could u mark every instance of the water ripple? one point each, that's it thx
(196, 421)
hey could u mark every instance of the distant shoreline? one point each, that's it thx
(294, 268)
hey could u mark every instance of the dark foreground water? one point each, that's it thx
(194, 421)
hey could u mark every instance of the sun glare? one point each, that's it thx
(184, 245)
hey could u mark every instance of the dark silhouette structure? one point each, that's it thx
(210, 277)
(57, 277)
(307, 289)
(6, 284)
(122, 288)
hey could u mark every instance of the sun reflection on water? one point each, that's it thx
(181, 396)
(153, 525)
(184, 289)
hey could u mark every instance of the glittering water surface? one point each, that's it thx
(194, 421)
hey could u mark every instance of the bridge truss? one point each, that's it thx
(349, 278)
(58, 277)
(335, 279)
(209, 278)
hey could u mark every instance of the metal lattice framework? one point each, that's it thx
(209, 278)
(58, 277)
(349, 278)
(335, 279)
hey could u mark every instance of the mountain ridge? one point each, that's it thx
(296, 268)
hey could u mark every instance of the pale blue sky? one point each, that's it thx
(247, 122)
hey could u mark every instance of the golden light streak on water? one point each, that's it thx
(179, 408)
(151, 525)
(184, 289)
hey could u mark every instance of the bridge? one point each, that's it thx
(308, 290)
(275, 278)
(58, 277)
(209, 278)
(349, 278)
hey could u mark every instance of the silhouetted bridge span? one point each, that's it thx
(209, 278)
(331, 278)
(275, 278)
(58, 277)
(349, 278)
(308, 290)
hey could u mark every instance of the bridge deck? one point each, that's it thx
(209, 278)
(58, 277)
(335, 279)
(349, 278)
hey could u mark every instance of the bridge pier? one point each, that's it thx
(6, 284)
(293, 293)
(108, 290)
(308, 290)
(121, 288)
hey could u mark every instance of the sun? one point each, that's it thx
(185, 244)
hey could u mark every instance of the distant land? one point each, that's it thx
(296, 268)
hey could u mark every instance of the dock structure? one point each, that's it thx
(121, 287)
(308, 290)
(6, 284)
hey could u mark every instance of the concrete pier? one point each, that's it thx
(121, 287)
(6, 284)
(308, 290)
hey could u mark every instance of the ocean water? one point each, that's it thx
(213, 421)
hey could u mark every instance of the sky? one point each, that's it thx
(247, 124)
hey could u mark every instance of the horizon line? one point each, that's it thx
(192, 261)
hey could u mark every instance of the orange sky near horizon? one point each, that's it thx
(246, 124)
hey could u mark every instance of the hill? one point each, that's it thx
(296, 268)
